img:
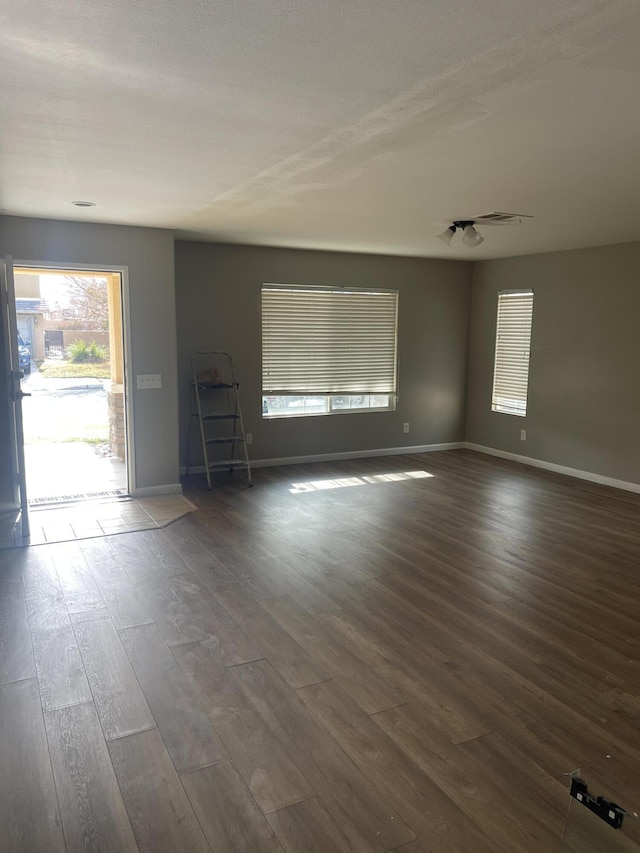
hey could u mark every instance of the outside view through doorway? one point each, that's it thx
(71, 356)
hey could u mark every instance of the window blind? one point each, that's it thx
(513, 345)
(328, 340)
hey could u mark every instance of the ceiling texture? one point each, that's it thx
(356, 125)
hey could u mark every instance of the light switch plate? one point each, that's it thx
(149, 380)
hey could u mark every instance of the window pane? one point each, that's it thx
(306, 405)
(360, 401)
(273, 405)
(287, 406)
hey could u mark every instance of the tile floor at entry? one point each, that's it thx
(86, 519)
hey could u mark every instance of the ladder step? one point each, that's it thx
(218, 416)
(230, 463)
(204, 385)
(232, 439)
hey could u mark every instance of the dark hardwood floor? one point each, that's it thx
(349, 656)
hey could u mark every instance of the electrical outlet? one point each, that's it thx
(149, 380)
(405, 427)
(523, 435)
(249, 438)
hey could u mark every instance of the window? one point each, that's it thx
(328, 350)
(513, 345)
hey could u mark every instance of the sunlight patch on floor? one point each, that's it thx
(346, 482)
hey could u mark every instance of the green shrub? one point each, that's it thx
(83, 352)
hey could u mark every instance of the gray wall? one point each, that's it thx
(218, 307)
(584, 407)
(148, 255)
(584, 403)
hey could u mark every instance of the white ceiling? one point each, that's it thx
(361, 125)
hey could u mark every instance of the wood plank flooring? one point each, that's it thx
(349, 656)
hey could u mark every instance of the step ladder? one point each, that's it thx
(215, 402)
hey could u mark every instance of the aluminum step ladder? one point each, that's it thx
(215, 402)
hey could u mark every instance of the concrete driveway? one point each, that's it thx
(64, 409)
(66, 433)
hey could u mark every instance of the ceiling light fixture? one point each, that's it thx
(84, 203)
(470, 238)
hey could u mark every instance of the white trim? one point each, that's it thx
(126, 344)
(151, 491)
(429, 448)
(333, 457)
(128, 378)
(558, 469)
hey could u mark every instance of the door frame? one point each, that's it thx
(126, 344)
(14, 396)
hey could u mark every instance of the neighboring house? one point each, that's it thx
(30, 311)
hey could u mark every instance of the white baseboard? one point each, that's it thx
(152, 491)
(334, 457)
(422, 448)
(558, 469)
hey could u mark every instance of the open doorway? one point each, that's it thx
(70, 337)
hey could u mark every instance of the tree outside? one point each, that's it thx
(81, 305)
(86, 305)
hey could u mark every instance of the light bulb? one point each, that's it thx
(471, 236)
(447, 235)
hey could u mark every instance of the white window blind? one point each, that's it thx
(513, 346)
(328, 341)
